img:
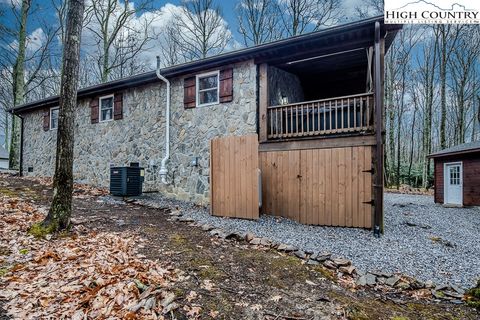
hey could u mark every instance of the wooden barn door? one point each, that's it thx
(234, 177)
(331, 187)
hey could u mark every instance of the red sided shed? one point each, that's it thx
(457, 175)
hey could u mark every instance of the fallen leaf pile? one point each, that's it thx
(406, 189)
(80, 190)
(80, 276)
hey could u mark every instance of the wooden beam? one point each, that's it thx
(263, 102)
(319, 143)
(379, 136)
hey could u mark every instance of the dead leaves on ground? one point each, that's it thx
(81, 276)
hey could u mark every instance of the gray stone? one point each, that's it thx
(300, 254)
(381, 274)
(441, 287)
(322, 256)
(341, 262)
(329, 264)
(457, 289)
(265, 242)
(370, 279)
(347, 269)
(453, 294)
(139, 136)
(361, 281)
(256, 241)
(392, 281)
(249, 236)
(313, 262)
(286, 247)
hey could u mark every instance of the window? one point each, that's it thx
(53, 118)
(455, 175)
(207, 89)
(106, 108)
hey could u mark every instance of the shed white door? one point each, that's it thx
(453, 183)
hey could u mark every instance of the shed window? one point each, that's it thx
(207, 89)
(106, 108)
(53, 118)
(455, 175)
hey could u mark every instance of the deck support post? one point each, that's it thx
(379, 132)
(263, 102)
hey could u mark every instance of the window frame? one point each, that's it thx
(50, 120)
(197, 88)
(100, 107)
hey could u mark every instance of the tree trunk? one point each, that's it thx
(19, 84)
(58, 217)
(443, 85)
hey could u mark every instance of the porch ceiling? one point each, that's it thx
(314, 66)
(346, 39)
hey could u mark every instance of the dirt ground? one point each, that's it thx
(234, 280)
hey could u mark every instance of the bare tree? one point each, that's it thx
(427, 70)
(18, 77)
(462, 70)
(447, 35)
(58, 217)
(301, 16)
(169, 47)
(118, 40)
(258, 21)
(370, 8)
(23, 58)
(201, 30)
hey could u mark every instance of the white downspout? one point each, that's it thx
(163, 167)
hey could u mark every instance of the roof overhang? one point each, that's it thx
(359, 34)
(453, 153)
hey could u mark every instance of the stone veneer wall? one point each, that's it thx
(140, 137)
(283, 83)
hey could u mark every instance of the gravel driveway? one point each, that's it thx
(421, 239)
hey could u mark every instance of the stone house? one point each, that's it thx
(233, 94)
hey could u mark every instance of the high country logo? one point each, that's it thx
(440, 12)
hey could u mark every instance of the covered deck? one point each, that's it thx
(325, 88)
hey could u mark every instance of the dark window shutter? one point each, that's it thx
(46, 120)
(118, 106)
(189, 92)
(226, 85)
(94, 110)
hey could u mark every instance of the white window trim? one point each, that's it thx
(100, 107)
(50, 118)
(447, 177)
(197, 88)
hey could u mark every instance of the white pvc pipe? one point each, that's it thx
(163, 167)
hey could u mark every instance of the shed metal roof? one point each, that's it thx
(359, 34)
(458, 149)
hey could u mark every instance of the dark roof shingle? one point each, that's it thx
(461, 148)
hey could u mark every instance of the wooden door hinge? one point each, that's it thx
(371, 202)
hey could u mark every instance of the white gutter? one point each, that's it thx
(163, 167)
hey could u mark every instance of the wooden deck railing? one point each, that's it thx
(352, 113)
